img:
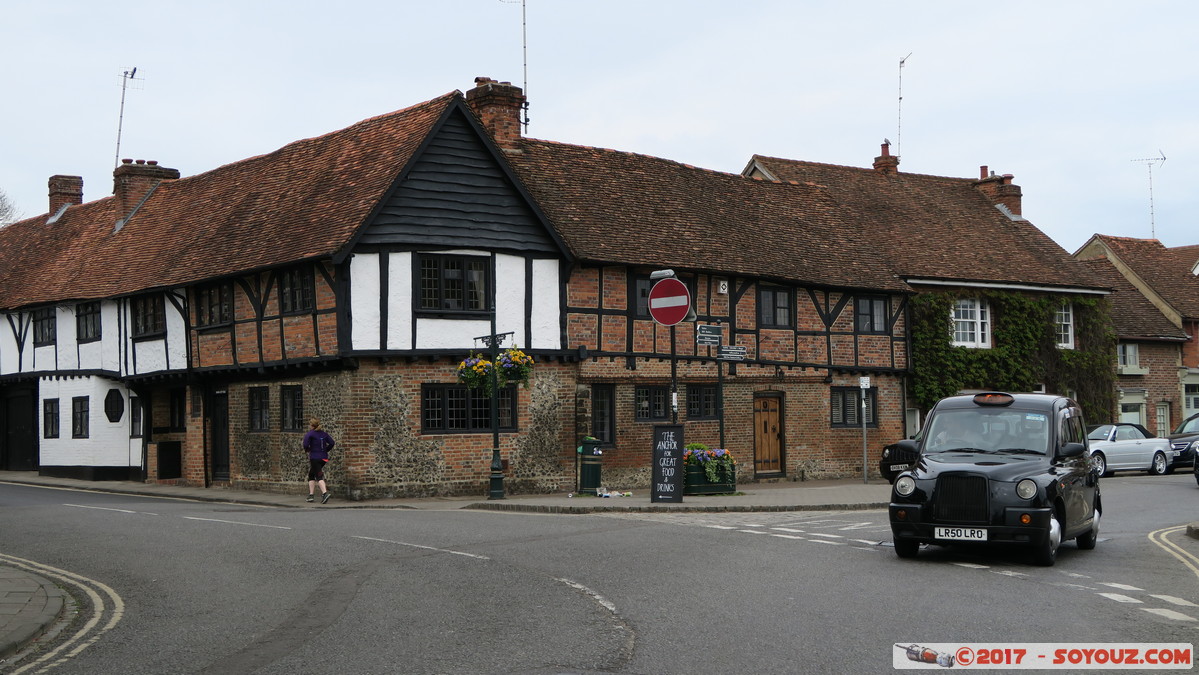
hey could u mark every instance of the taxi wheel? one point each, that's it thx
(1158, 467)
(906, 548)
(1087, 540)
(1046, 552)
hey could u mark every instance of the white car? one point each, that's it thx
(1125, 446)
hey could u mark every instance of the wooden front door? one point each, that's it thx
(768, 436)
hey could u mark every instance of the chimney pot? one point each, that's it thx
(498, 106)
(132, 181)
(982, 172)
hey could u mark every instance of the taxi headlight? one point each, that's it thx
(1026, 489)
(905, 486)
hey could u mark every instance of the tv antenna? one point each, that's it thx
(1149, 162)
(524, 52)
(899, 123)
(127, 78)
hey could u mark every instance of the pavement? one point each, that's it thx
(30, 605)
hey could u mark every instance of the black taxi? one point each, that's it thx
(998, 468)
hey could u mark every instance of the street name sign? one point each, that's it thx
(731, 353)
(709, 334)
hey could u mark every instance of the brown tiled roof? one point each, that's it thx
(626, 208)
(1166, 270)
(302, 201)
(933, 227)
(1132, 313)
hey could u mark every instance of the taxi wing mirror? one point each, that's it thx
(1072, 450)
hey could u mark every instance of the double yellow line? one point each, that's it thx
(105, 603)
(1159, 537)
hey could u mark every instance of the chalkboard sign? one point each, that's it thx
(668, 463)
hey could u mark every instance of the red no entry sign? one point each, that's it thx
(669, 301)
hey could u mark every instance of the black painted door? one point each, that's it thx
(20, 444)
(220, 436)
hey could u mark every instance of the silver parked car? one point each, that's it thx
(1125, 446)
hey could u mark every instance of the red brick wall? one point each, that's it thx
(269, 337)
(1162, 360)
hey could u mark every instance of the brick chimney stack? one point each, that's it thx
(1000, 190)
(498, 105)
(885, 163)
(131, 181)
(65, 190)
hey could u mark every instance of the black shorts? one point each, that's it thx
(316, 469)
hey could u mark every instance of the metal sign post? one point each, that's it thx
(864, 383)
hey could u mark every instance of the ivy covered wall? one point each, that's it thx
(1023, 351)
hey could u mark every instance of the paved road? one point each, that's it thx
(210, 587)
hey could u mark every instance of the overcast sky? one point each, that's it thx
(1064, 95)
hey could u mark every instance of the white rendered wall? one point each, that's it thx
(546, 313)
(167, 353)
(399, 301)
(510, 299)
(437, 333)
(107, 444)
(364, 301)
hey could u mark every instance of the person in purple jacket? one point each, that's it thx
(318, 444)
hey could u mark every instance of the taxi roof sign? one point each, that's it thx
(993, 398)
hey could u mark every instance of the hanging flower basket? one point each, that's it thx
(514, 366)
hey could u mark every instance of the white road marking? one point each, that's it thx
(821, 534)
(1175, 601)
(721, 527)
(98, 609)
(1076, 575)
(234, 522)
(427, 548)
(102, 508)
(1010, 573)
(822, 541)
(1168, 613)
(865, 541)
(857, 526)
(604, 602)
(1122, 587)
(973, 566)
(1121, 598)
(788, 536)
(751, 531)
(788, 529)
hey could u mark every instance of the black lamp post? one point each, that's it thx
(493, 341)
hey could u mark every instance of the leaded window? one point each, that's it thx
(451, 408)
(149, 316)
(453, 283)
(87, 321)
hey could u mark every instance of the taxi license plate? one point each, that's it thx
(960, 533)
(900, 467)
